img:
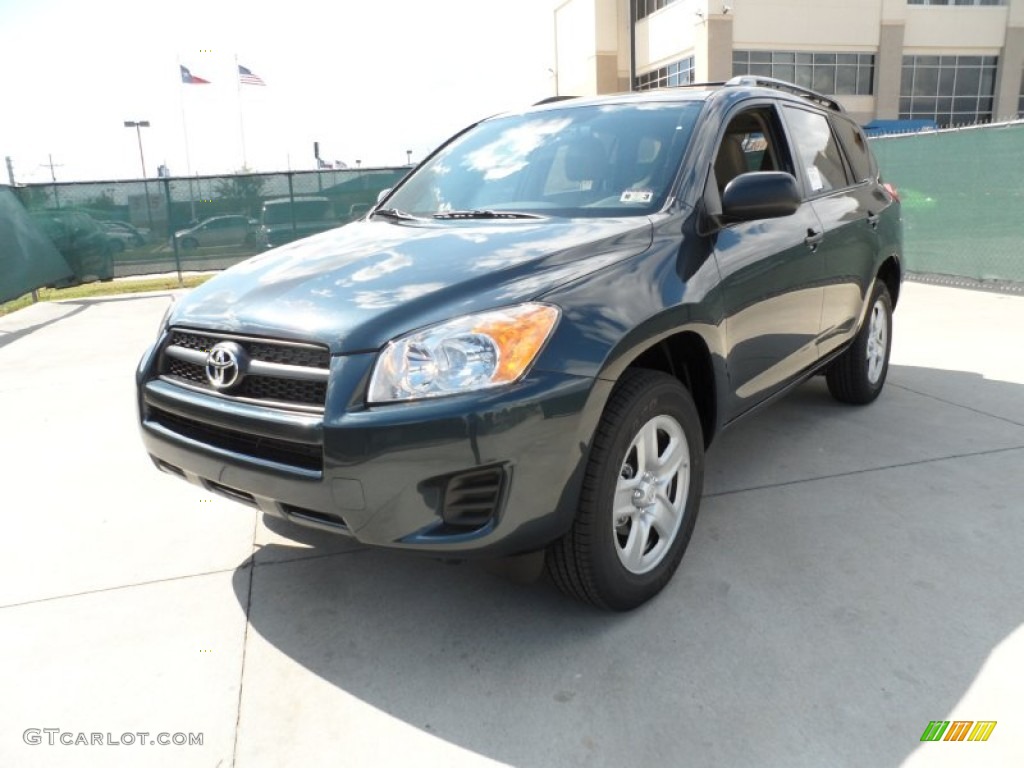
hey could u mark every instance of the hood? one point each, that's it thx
(357, 287)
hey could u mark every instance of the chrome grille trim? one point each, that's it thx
(279, 374)
(255, 367)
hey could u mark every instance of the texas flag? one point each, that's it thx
(190, 79)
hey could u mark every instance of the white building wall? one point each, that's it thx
(667, 34)
(819, 25)
(576, 46)
(955, 29)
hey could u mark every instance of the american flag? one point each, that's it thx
(248, 77)
(190, 79)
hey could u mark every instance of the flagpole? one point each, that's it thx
(184, 130)
(241, 117)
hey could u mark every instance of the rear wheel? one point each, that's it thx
(858, 375)
(189, 243)
(640, 496)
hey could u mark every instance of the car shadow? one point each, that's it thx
(851, 572)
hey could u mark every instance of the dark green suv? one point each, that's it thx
(532, 340)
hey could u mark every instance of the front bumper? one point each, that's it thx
(486, 473)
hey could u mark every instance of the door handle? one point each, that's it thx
(873, 219)
(813, 239)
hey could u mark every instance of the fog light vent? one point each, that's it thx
(473, 498)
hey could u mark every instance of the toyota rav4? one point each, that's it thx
(531, 341)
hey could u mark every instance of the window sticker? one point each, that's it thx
(814, 176)
(636, 196)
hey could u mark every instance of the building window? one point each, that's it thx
(956, 2)
(677, 73)
(645, 8)
(1020, 101)
(951, 90)
(845, 74)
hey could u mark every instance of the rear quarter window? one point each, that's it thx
(817, 150)
(857, 150)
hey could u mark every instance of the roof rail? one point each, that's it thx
(694, 85)
(553, 99)
(782, 85)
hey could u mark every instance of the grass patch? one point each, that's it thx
(91, 290)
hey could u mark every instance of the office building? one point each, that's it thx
(952, 61)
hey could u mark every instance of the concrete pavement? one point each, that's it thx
(855, 573)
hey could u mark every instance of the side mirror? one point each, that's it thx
(383, 193)
(760, 195)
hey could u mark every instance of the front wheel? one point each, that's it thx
(858, 375)
(640, 496)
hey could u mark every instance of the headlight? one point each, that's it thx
(469, 353)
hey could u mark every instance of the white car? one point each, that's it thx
(219, 230)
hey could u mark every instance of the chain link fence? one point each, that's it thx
(963, 200)
(962, 193)
(118, 229)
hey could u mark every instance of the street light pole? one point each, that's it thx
(138, 125)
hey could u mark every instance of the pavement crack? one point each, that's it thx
(957, 405)
(865, 471)
(245, 640)
(101, 590)
(304, 558)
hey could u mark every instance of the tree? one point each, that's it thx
(244, 185)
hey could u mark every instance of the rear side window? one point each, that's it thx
(817, 150)
(856, 146)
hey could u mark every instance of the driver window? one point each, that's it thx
(749, 144)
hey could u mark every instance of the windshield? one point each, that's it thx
(609, 160)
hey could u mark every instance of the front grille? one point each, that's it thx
(285, 390)
(279, 373)
(190, 372)
(284, 353)
(302, 455)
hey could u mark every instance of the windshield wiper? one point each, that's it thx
(393, 213)
(483, 214)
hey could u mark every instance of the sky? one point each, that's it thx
(367, 80)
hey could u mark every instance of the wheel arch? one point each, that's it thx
(686, 356)
(891, 273)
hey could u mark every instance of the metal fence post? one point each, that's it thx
(170, 230)
(291, 203)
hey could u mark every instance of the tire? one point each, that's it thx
(635, 516)
(858, 375)
(189, 243)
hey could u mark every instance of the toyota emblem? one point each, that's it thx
(224, 365)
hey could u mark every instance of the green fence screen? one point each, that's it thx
(963, 200)
(962, 192)
(122, 228)
(28, 258)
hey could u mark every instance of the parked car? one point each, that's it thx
(285, 220)
(530, 343)
(122, 235)
(218, 230)
(82, 242)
